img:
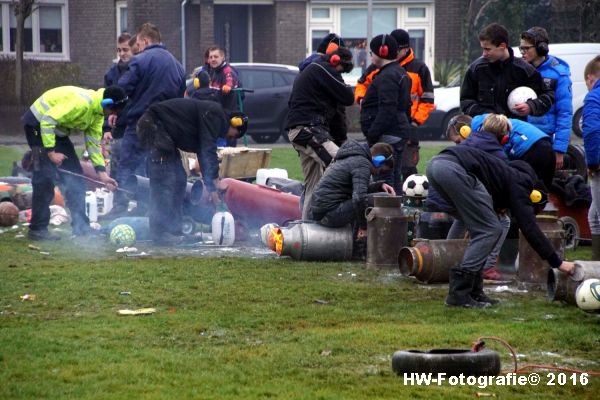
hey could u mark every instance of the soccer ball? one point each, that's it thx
(587, 295)
(416, 185)
(519, 95)
(122, 235)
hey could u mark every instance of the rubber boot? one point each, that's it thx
(595, 247)
(459, 289)
(478, 294)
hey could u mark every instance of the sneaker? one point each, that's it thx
(492, 274)
(42, 235)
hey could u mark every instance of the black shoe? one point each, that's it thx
(42, 235)
(167, 239)
(459, 289)
(478, 294)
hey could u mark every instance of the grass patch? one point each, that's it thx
(7, 156)
(243, 328)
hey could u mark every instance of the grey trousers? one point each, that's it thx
(594, 211)
(474, 206)
(312, 167)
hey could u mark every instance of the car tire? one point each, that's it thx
(265, 138)
(574, 160)
(577, 123)
(572, 232)
(449, 115)
(453, 362)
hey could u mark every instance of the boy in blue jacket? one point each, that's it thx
(556, 123)
(591, 143)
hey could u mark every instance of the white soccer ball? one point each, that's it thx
(587, 295)
(518, 96)
(416, 185)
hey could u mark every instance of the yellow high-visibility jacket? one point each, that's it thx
(67, 109)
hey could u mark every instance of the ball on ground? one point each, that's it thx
(122, 235)
(9, 214)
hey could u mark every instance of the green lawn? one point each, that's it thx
(252, 328)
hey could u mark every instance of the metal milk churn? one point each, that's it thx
(386, 232)
(532, 269)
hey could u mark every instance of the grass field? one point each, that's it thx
(253, 328)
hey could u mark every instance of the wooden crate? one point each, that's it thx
(242, 162)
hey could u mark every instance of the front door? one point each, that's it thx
(231, 31)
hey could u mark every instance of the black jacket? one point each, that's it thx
(385, 109)
(112, 78)
(347, 177)
(510, 186)
(319, 97)
(192, 126)
(487, 85)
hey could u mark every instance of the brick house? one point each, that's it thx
(83, 32)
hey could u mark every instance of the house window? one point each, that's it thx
(121, 17)
(354, 23)
(50, 29)
(417, 42)
(27, 33)
(416, 12)
(320, 13)
(317, 36)
(46, 30)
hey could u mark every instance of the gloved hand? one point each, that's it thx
(226, 89)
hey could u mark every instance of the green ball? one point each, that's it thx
(122, 235)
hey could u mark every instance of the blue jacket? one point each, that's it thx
(111, 78)
(591, 126)
(520, 139)
(154, 75)
(558, 121)
(308, 60)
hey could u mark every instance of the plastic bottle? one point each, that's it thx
(263, 174)
(91, 206)
(223, 228)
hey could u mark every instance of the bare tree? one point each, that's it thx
(23, 9)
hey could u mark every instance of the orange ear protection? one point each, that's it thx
(236, 122)
(383, 49)
(331, 47)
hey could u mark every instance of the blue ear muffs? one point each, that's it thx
(107, 102)
(379, 159)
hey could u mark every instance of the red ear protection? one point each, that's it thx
(335, 60)
(383, 49)
(504, 140)
(331, 47)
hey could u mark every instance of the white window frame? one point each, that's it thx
(120, 4)
(35, 31)
(403, 21)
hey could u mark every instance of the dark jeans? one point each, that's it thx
(542, 159)
(132, 160)
(167, 191)
(46, 176)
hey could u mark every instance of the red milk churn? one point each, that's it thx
(532, 269)
(430, 260)
(257, 205)
(386, 232)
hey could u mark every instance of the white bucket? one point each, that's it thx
(263, 174)
(104, 200)
(91, 206)
(223, 228)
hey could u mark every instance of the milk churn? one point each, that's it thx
(532, 269)
(430, 261)
(562, 287)
(309, 241)
(386, 232)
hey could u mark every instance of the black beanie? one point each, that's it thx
(117, 95)
(402, 38)
(331, 38)
(384, 46)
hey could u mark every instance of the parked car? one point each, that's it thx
(267, 106)
(577, 55)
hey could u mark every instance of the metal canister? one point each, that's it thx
(532, 269)
(430, 260)
(310, 241)
(562, 287)
(386, 232)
